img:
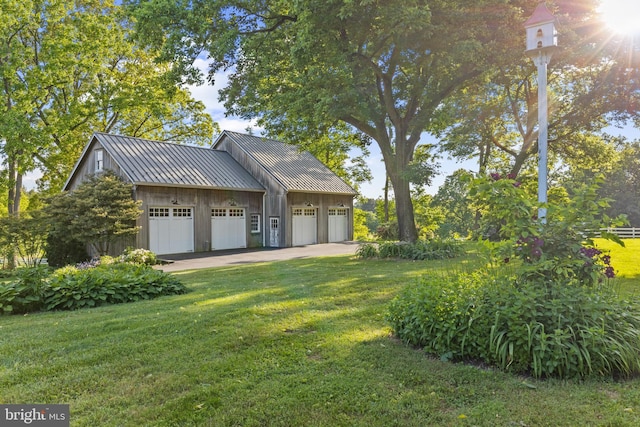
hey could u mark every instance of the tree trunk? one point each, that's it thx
(404, 210)
(13, 203)
(520, 159)
(396, 160)
(386, 198)
(15, 185)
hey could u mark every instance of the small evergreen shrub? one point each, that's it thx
(63, 251)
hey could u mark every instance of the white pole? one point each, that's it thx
(541, 61)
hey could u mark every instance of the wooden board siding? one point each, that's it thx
(87, 168)
(276, 200)
(201, 200)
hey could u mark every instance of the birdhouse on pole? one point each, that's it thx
(541, 30)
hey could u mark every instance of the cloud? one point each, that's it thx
(209, 95)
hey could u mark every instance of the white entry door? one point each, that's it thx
(338, 224)
(170, 230)
(304, 227)
(228, 228)
(274, 231)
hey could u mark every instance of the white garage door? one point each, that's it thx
(305, 227)
(228, 228)
(170, 230)
(338, 224)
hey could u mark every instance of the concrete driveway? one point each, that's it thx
(195, 261)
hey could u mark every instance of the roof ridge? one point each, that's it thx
(158, 142)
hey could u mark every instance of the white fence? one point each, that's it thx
(623, 233)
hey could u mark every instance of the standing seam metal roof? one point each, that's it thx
(296, 170)
(148, 162)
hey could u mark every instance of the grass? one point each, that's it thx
(626, 262)
(296, 343)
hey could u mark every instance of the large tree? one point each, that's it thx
(69, 68)
(380, 67)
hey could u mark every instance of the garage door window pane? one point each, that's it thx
(158, 212)
(182, 212)
(218, 212)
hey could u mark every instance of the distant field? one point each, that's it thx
(626, 261)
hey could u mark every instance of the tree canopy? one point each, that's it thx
(448, 67)
(69, 68)
(593, 82)
(382, 69)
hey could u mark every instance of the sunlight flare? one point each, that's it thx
(622, 16)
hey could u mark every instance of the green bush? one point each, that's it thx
(24, 294)
(439, 315)
(61, 251)
(563, 331)
(390, 249)
(71, 288)
(547, 310)
(86, 285)
(420, 250)
(138, 256)
(556, 251)
(367, 251)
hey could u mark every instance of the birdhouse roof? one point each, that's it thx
(541, 15)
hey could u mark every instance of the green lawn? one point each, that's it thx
(626, 261)
(297, 343)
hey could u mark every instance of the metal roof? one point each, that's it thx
(148, 162)
(296, 170)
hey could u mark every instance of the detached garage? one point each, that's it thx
(244, 191)
(306, 203)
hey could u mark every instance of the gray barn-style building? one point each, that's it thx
(243, 192)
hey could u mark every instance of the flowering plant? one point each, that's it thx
(558, 250)
(138, 256)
